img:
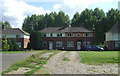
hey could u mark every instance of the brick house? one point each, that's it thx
(66, 38)
(22, 37)
(112, 40)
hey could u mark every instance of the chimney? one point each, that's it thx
(3, 26)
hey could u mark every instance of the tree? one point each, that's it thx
(5, 24)
(5, 45)
(35, 41)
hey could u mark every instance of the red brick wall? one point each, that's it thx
(23, 41)
(64, 40)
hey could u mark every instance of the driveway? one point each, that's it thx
(8, 59)
(56, 65)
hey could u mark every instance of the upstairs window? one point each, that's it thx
(44, 35)
(78, 34)
(59, 34)
(51, 35)
(70, 34)
(86, 35)
(18, 36)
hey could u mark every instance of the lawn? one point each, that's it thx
(99, 57)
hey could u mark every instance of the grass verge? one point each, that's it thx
(97, 57)
(39, 62)
(13, 52)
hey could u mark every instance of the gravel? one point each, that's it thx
(56, 65)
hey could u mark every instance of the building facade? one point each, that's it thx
(21, 37)
(67, 38)
(112, 40)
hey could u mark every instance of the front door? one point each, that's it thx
(78, 45)
(50, 45)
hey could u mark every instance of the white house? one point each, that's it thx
(112, 40)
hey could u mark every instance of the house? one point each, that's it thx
(66, 38)
(112, 40)
(22, 37)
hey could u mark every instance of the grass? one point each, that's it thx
(13, 52)
(31, 59)
(66, 59)
(97, 57)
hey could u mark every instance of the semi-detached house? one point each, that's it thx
(66, 38)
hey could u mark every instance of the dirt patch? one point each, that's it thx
(21, 70)
(56, 65)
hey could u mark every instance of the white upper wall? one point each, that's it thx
(54, 34)
(15, 36)
(112, 36)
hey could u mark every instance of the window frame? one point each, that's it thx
(59, 44)
(86, 35)
(70, 44)
(70, 34)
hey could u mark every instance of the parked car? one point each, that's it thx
(94, 48)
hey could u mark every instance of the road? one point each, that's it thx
(9, 59)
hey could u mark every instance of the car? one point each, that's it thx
(94, 48)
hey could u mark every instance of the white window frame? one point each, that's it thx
(86, 43)
(19, 44)
(70, 44)
(59, 44)
(59, 35)
(117, 43)
(70, 34)
(85, 35)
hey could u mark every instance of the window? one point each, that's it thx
(44, 44)
(70, 34)
(78, 34)
(70, 44)
(18, 36)
(117, 44)
(44, 35)
(86, 35)
(59, 34)
(51, 34)
(59, 44)
(86, 43)
(19, 44)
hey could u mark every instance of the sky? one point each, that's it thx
(15, 11)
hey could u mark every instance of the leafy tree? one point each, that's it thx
(5, 24)
(5, 45)
(35, 41)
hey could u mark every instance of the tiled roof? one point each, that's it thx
(14, 31)
(67, 29)
(115, 28)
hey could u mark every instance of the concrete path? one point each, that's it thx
(9, 59)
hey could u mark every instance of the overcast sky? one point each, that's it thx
(15, 11)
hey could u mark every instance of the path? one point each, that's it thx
(56, 65)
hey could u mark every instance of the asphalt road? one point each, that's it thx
(8, 59)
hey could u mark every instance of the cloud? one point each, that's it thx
(15, 11)
(70, 7)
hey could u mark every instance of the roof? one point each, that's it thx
(14, 31)
(67, 29)
(115, 28)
